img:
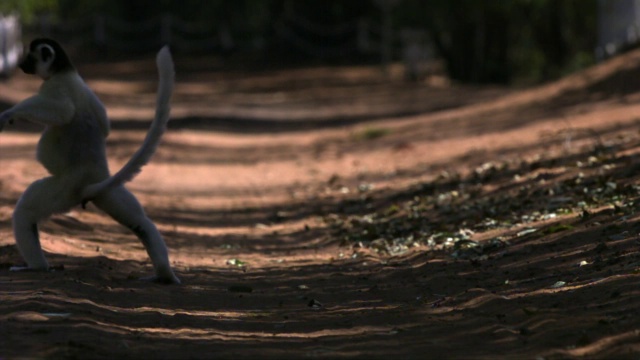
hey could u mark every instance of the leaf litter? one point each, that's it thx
(444, 214)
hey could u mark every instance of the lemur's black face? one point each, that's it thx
(28, 64)
(45, 58)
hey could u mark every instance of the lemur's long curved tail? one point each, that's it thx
(133, 167)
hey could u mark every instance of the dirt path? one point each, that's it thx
(329, 213)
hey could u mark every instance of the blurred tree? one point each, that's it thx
(499, 41)
(482, 41)
(27, 9)
(564, 32)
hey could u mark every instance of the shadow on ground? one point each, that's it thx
(530, 255)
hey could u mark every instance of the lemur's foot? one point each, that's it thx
(21, 268)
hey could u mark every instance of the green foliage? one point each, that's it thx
(371, 133)
(27, 9)
(558, 228)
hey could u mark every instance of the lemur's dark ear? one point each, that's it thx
(50, 51)
(46, 52)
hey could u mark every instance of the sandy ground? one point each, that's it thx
(332, 213)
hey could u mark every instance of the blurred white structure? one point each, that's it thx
(618, 26)
(10, 43)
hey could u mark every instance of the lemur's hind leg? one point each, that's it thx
(42, 199)
(123, 207)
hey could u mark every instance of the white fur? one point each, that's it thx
(42, 68)
(72, 149)
(158, 127)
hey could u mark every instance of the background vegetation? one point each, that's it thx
(479, 41)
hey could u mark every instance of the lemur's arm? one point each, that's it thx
(40, 109)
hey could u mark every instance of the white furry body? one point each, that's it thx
(74, 143)
(158, 127)
(72, 149)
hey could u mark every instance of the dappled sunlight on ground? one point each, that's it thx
(329, 212)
